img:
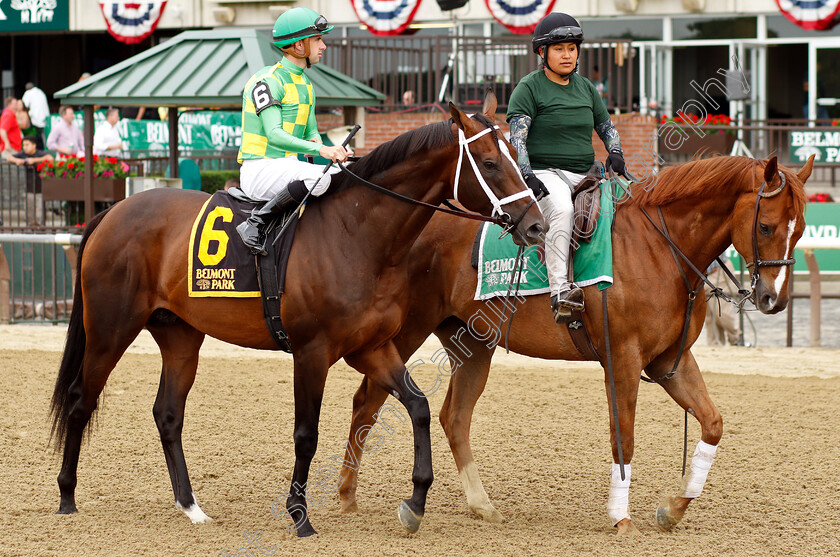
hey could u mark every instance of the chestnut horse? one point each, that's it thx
(707, 205)
(345, 295)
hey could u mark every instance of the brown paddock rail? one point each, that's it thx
(464, 66)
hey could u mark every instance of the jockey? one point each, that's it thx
(278, 123)
(552, 112)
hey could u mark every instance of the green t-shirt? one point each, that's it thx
(562, 120)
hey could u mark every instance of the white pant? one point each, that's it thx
(265, 178)
(558, 210)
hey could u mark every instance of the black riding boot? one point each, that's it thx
(252, 230)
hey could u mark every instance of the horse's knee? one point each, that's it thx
(169, 423)
(306, 443)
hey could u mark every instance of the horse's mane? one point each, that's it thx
(705, 178)
(386, 155)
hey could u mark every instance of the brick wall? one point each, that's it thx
(636, 131)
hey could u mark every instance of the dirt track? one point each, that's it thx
(540, 435)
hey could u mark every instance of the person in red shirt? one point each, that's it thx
(10, 136)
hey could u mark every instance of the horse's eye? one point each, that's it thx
(764, 229)
(489, 165)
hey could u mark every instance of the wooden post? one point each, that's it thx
(5, 282)
(173, 141)
(815, 296)
(789, 342)
(356, 115)
(71, 252)
(90, 209)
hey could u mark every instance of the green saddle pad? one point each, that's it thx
(592, 261)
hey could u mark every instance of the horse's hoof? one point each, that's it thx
(409, 518)
(349, 506)
(664, 520)
(68, 508)
(305, 531)
(626, 528)
(194, 513)
(667, 516)
(488, 513)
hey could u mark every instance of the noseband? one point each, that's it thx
(757, 262)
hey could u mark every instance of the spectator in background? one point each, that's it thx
(39, 110)
(601, 85)
(66, 137)
(10, 136)
(107, 141)
(721, 320)
(408, 97)
(231, 183)
(31, 156)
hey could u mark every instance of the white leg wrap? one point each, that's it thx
(701, 462)
(619, 494)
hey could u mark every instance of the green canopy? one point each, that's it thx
(206, 69)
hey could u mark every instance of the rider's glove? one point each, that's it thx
(615, 160)
(536, 186)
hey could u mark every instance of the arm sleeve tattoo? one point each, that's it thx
(608, 134)
(519, 127)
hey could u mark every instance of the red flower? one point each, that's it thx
(112, 160)
(71, 165)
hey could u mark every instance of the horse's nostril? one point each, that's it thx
(535, 231)
(767, 301)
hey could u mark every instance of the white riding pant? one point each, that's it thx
(558, 210)
(265, 178)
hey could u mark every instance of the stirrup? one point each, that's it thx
(565, 302)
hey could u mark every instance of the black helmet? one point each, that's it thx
(557, 27)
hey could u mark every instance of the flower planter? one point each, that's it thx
(73, 189)
(712, 142)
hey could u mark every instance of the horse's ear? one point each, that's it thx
(770, 170)
(805, 172)
(490, 104)
(456, 115)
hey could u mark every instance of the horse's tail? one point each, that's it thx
(74, 350)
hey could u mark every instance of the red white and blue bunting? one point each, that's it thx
(386, 17)
(519, 16)
(131, 22)
(815, 15)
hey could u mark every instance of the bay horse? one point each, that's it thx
(345, 295)
(707, 205)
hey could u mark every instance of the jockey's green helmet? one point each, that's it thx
(298, 23)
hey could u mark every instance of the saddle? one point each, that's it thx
(586, 198)
(270, 268)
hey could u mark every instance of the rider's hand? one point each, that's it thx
(615, 160)
(536, 186)
(335, 153)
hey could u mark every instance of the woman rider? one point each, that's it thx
(552, 112)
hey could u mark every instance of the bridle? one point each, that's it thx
(508, 222)
(498, 216)
(757, 262)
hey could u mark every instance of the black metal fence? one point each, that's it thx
(460, 68)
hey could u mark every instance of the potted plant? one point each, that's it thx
(688, 134)
(63, 180)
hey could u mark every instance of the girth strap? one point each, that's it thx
(580, 337)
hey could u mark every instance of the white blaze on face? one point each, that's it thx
(780, 278)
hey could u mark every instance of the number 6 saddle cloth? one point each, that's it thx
(219, 264)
